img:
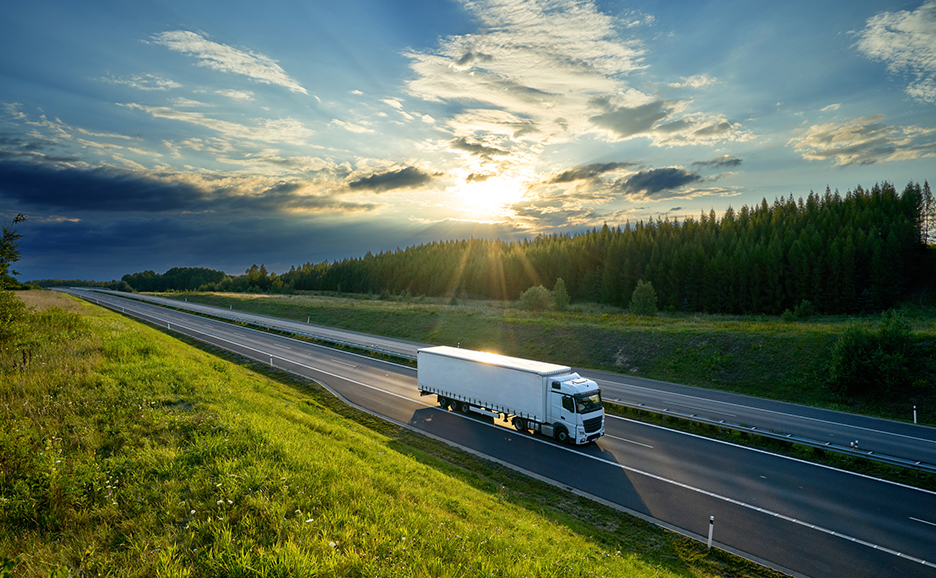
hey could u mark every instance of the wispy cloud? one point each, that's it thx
(253, 65)
(724, 161)
(864, 141)
(697, 81)
(286, 130)
(350, 126)
(906, 42)
(144, 82)
(586, 172)
(242, 95)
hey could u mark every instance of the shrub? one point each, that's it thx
(866, 362)
(643, 300)
(537, 299)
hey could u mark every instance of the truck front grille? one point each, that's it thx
(593, 424)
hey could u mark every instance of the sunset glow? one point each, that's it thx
(218, 135)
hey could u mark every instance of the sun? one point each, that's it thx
(492, 196)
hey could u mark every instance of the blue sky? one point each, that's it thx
(149, 135)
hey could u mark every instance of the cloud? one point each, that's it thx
(906, 42)
(286, 130)
(697, 81)
(350, 126)
(536, 62)
(186, 102)
(44, 187)
(657, 184)
(145, 82)
(657, 120)
(864, 141)
(591, 171)
(405, 178)
(835, 106)
(477, 149)
(549, 72)
(725, 161)
(242, 95)
(625, 122)
(255, 66)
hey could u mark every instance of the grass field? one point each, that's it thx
(125, 451)
(754, 355)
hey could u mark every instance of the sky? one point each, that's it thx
(147, 135)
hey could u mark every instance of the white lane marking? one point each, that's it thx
(633, 470)
(814, 464)
(790, 415)
(922, 521)
(628, 441)
(344, 362)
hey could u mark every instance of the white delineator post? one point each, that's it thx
(711, 529)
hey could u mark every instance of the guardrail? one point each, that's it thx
(372, 348)
(828, 446)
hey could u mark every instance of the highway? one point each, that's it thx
(878, 436)
(799, 517)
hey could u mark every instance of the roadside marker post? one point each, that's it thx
(914, 414)
(711, 529)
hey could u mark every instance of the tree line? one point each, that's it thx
(838, 253)
(828, 253)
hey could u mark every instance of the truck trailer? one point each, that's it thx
(534, 396)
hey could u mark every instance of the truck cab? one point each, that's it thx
(575, 409)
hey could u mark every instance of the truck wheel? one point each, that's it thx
(443, 402)
(464, 407)
(520, 424)
(562, 435)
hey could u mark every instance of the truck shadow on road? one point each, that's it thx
(592, 468)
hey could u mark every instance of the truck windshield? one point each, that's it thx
(587, 403)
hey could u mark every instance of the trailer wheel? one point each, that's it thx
(443, 402)
(562, 435)
(464, 407)
(520, 424)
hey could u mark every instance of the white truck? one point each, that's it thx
(533, 395)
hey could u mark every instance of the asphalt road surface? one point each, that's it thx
(799, 517)
(899, 439)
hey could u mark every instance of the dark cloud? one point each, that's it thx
(726, 161)
(470, 57)
(478, 177)
(630, 121)
(63, 188)
(652, 183)
(586, 172)
(49, 187)
(405, 178)
(477, 149)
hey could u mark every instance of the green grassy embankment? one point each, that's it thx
(754, 355)
(127, 451)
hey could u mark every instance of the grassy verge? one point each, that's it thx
(125, 451)
(758, 355)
